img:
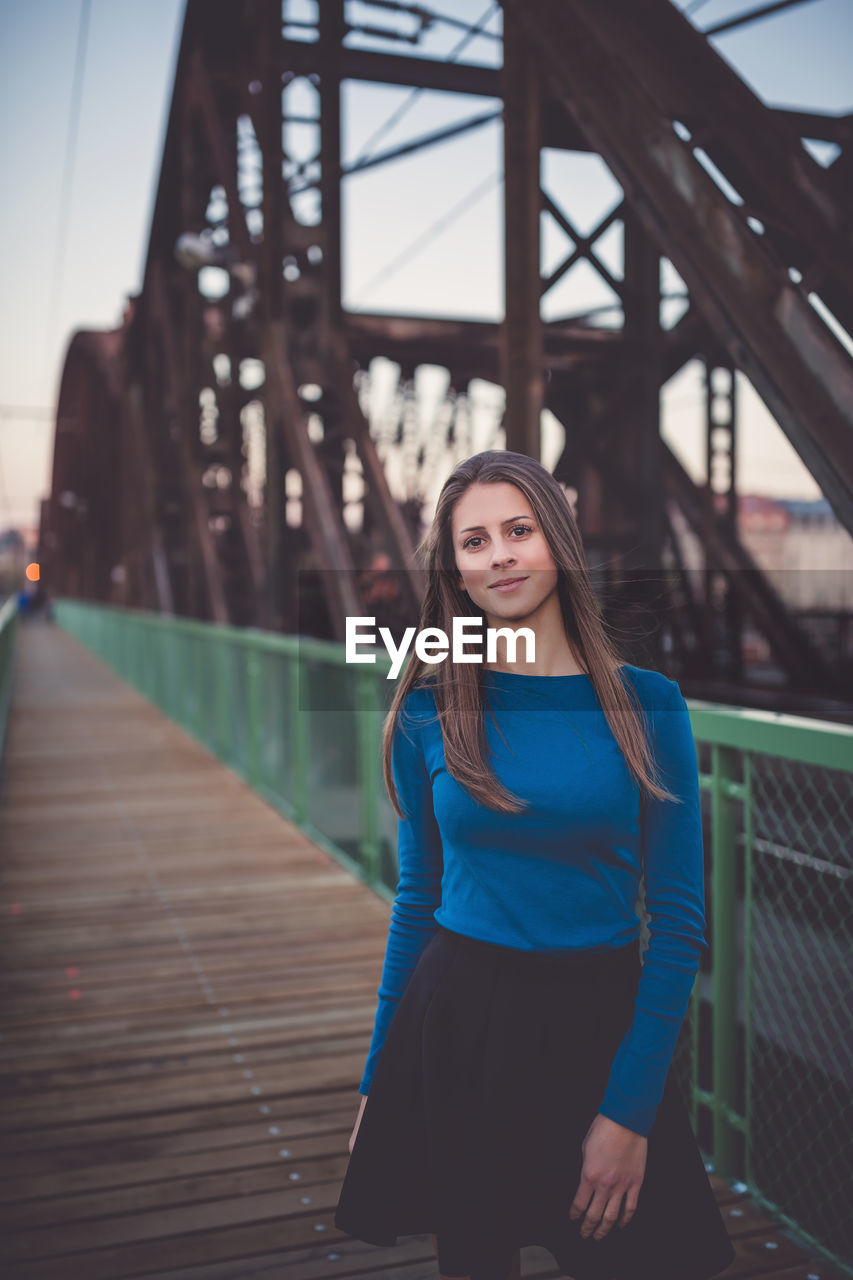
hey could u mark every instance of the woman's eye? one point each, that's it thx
(525, 528)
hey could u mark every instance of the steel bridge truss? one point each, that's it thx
(219, 442)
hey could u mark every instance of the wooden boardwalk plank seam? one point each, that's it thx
(187, 993)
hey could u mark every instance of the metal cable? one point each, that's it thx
(369, 147)
(466, 203)
(68, 171)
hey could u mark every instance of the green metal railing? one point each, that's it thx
(8, 634)
(764, 1055)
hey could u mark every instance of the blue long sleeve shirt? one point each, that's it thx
(566, 873)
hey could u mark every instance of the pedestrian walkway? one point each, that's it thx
(187, 994)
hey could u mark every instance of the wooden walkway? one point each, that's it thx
(187, 995)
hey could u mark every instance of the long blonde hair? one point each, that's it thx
(457, 686)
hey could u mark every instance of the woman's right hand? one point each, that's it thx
(357, 1122)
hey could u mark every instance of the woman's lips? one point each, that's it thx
(508, 586)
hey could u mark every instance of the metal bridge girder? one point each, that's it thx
(610, 78)
(758, 314)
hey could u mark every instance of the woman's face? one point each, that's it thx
(496, 536)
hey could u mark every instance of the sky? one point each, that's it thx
(78, 232)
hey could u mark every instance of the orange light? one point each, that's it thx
(32, 572)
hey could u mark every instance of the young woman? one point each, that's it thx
(517, 1088)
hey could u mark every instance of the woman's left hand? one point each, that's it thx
(614, 1164)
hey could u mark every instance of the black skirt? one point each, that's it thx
(490, 1075)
